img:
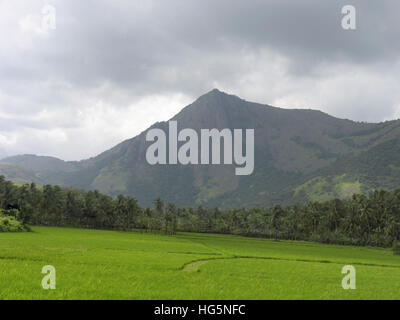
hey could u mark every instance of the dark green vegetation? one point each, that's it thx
(95, 264)
(360, 220)
(300, 156)
(10, 223)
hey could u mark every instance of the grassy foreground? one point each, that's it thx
(92, 264)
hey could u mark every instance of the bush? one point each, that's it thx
(396, 248)
(11, 224)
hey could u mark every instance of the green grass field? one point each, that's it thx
(92, 264)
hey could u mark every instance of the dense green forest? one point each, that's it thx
(372, 220)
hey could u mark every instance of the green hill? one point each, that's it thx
(17, 173)
(300, 155)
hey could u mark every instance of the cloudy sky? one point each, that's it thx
(110, 69)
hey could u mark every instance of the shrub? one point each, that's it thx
(11, 224)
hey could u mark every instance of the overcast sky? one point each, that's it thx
(110, 69)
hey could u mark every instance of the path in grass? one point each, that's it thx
(195, 265)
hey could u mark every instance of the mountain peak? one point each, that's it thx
(216, 95)
(207, 105)
(216, 91)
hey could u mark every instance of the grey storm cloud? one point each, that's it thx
(112, 60)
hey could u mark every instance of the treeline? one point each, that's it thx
(372, 220)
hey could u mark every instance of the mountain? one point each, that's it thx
(18, 174)
(48, 170)
(300, 155)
